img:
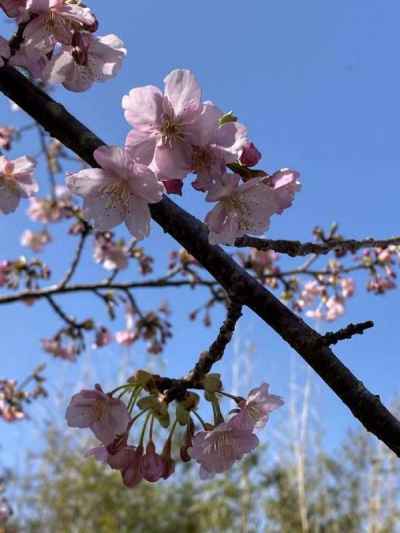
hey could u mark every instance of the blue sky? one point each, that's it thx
(317, 84)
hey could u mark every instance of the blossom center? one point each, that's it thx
(118, 194)
(171, 131)
(235, 203)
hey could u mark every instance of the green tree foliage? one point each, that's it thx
(355, 490)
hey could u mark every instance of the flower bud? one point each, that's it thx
(212, 383)
(250, 156)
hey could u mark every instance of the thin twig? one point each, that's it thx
(346, 333)
(93, 287)
(75, 261)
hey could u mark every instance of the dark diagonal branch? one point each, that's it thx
(297, 248)
(193, 236)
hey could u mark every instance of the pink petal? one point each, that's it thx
(183, 93)
(138, 217)
(141, 146)
(143, 107)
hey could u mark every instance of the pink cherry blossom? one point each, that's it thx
(132, 472)
(215, 146)
(348, 287)
(55, 347)
(14, 9)
(129, 335)
(263, 260)
(107, 417)
(285, 183)
(218, 449)
(241, 209)
(152, 464)
(47, 210)
(254, 412)
(163, 133)
(173, 186)
(4, 50)
(249, 156)
(6, 136)
(4, 272)
(119, 191)
(112, 255)
(36, 241)
(169, 463)
(103, 338)
(56, 21)
(335, 308)
(16, 182)
(88, 60)
(31, 58)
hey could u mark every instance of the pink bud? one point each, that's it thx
(173, 186)
(250, 156)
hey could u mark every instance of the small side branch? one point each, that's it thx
(75, 261)
(297, 248)
(346, 333)
(216, 351)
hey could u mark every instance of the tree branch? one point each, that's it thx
(297, 248)
(193, 236)
(216, 351)
(94, 287)
(346, 333)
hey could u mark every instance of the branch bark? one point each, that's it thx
(297, 248)
(192, 235)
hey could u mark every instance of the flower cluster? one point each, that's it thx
(48, 210)
(16, 182)
(174, 134)
(215, 448)
(22, 272)
(56, 43)
(13, 398)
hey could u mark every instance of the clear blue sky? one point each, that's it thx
(317, 83)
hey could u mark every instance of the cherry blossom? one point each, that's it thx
(254, 412)
(107, 417)
(132, 472)
(56, 348)
(88, 60)
(31, 58)
(152, 465)
(16, 182)
(6, 136)
(4, 272)
(218, 449)
(112, 255)
(119, 191)
(103, 338)
(4, 50)
(215, 146)
(163, 123)
(56, 21)
(14, 9)
(241, 208)
(36, 241)
(285, 183)
(129, 335)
